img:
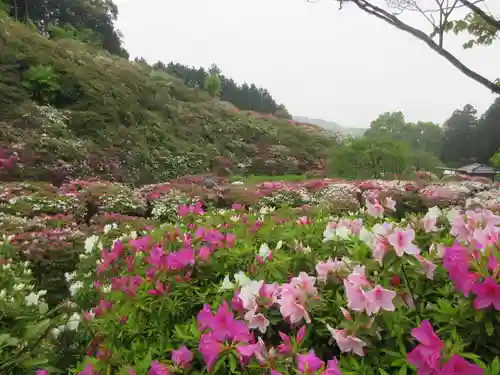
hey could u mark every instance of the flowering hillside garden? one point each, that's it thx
(313, 277)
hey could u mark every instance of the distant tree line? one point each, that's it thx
(91, 21)
(392, 146)
(244, 97)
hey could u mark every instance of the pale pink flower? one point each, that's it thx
(379, 298)
(402, 241)
(487, 236)
(324, 269)
(358, 277)
(347, 343)
(374, 209)
(292, 310)
(256, 321)
(356, 298)
(429, 224)
(428, 267)
(390, 204)
(305, 282)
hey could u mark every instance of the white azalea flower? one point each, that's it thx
(264, 251)
(241, 279)
(226, 284)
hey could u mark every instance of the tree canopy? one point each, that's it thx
(245, 96)
(96, 17)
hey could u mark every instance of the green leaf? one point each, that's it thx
(37, 330)
(489, 328)
(383, 372)
(34, 362)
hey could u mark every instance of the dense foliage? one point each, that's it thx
(89, 21)
(244, 97)
(347, 282)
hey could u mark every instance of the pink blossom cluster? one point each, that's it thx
(256, 297)
(362, 296)
(471, 274)
(480, 227)
(426, 356)
(387, 237)
(376, 209)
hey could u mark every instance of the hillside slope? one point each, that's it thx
(71, 109)
(332, 126)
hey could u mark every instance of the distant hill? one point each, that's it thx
(331, 126)
(68, 109)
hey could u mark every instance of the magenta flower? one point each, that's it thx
(182, 356)
(459, 366)
(427, 355)
(487, 294)
(332, 368)
(286, 346)
(42, 372)
(89, 370)
(158, 368)
(210, 348)
(309, 363)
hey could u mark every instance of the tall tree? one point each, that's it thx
(421, 136)
(488, 132)
(459, 144)
(245, 96)
(96, 15)
(442, 15)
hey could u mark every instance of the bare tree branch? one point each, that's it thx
(382, 14)
(489, 19)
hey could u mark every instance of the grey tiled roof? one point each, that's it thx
(477, 168)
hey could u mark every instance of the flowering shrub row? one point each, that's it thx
(273, 290)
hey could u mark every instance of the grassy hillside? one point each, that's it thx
(332, 126)
(71, 109)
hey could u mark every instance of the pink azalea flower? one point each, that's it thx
(158, 368)
(308, 363)
(88, 370)
(487, 294)
(487, 236)
(210, 349)
(459, 366)
(402, 241)
(374, 209)
(390, 204)
(379, 298)
(292, 310)
(256, 321)
(428, 267)
(324, 269)
(332, 368)
(429, 223)
(427, 354)
(427, 337)
(301, 334)
(286, 346)
(347, 343)
(42, 372)
(182, 356)
(356, 298)
(305, 282)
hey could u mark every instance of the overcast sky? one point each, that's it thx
(343, 66)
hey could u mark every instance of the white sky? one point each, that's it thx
(343, 66)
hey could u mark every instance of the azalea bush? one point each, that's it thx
(272, 288)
